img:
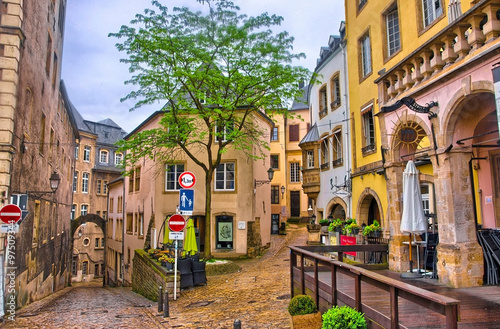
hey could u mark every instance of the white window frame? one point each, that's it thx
(75, 181)
(431, 10)
(392, 29)
(118, 158)
(310, 159)
(368, 126)
(77, 152)
(85, 182)
(84, 209)
(294, 172)
(224, 177)
(366, 56)
(86, 153)
(227, 131)
(325, 151)
(337, 144)
(103, 156)
(177, 173)
(73, 211)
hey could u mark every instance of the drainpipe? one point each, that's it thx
(347, 126)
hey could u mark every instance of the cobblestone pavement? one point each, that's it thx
(257, 295)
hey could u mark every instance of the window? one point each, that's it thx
(96, 269)
(54, 72)
(392, 25)
(274, 134)
(118, 159)
(111, 204)
(275, 161)
(224, 232)
(77, 152)
(86, 153)
(97, 242)
(130, 223)
(293, 133)
(368, 130)
(48, 54)
(75, 182)
(310, 159)
(85, 266)
(223, 135)
(325, 154)
(366, 57)
(335, 92)
(137, 179)
(103, 156)
(323, 101)
(41, 147)
(224, 177)
(141, 225)
(85, 182)
(104, 187)
(275, 194)
(119, 206)
(337, 148)
(432, 9)
(294, 172)
(361, 4)
(173, 172)
(73, 211)
(84, 209)
(73, 265)
(36, 221)
(99, 183)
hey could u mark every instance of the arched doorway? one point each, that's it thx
(369, 208)
(88, 248)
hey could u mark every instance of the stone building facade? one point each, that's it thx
(37, 136)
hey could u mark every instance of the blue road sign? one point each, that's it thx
(186, 201)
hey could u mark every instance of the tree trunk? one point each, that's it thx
(208, 214)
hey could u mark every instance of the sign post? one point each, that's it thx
(176, 223)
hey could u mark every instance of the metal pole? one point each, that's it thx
(160, 299)
(166, 309)
(237, 324)
(175, 272)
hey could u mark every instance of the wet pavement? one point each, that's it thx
(258, 296)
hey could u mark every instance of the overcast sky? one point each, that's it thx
(94, 75)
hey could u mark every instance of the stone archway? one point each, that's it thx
(370, 208)
(75, 224)
(337, 207)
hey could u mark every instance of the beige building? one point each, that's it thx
(115, 233)
(241, 207)
(37, 135)
(88, 253)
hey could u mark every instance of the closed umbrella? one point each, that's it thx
(413, 220)
(190, 245)
(166, 239)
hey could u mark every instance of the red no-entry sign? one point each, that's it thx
(176, 223)
(10, 213)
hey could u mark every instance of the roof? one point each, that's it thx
(301, 103)
(69, 108)
(312, 136)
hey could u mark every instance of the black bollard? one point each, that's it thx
(166, 308)
(237, 324)
(160, 299)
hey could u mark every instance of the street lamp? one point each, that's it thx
(270, 175)
(54, 180)
(310, 210)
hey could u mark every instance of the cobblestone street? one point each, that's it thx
(258, 296)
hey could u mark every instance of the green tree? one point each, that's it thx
(214, 70)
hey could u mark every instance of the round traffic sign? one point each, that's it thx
(176, 223)
(187, 180)
(10, 213)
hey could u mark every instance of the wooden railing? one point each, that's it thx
(306, 263)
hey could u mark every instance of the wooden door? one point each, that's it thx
(294, 203)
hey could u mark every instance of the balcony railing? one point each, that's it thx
(448, 50)
(368, 148)
(337, 162)
(325, 166)
(323, 112)
(335, 103)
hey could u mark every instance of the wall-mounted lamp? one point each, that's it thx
(270, 175)
(54, 180)
(282, 191)
(310, 210)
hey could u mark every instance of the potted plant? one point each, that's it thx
(336, 225)
(324, 222)
(304, 313)
(167, 261)
(343, 317)
(352, 228)
(152, 252)
(373, 230)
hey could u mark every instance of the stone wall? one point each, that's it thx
(147, 277)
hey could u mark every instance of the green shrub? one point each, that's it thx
(343, 317)
(302, 304)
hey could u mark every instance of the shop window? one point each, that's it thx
(224, 238)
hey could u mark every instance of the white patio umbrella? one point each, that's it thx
(413, 220)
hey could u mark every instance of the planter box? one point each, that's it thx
(306, 321)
